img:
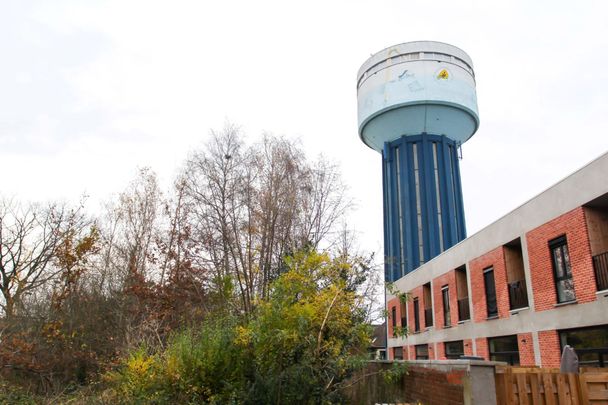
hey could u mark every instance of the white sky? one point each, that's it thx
(89, 91)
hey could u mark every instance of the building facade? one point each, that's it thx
(519, 289)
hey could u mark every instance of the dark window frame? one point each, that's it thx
(445, 299)
(600, 352)
(489, 297)
(511, 355)
(397, 356)
(394, 319)
(422, 356)
(560, 244)
(453, 355)
(403, 309)
(429, 317)
(416, 315)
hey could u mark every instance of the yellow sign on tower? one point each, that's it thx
(443, 74)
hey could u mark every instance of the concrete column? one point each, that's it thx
(471, 309)
(536, 346)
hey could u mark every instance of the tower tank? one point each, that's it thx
(416, 105)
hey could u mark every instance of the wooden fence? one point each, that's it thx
(541, 386)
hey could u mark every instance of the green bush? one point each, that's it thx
(10, 394)
(300, 345)
(198, 366)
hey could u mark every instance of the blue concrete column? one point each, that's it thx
(423, 208)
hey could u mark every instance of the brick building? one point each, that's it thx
(519, 289)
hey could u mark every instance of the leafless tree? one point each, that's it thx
(128, 231)
(30, 236)
(252, 206)
(324, 203)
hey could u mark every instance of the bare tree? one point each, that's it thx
(324, 203)
(252, 206)
(128, 232)
(30, 237)
(212, 181)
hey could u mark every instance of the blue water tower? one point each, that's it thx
(416, 106)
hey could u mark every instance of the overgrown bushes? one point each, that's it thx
(197, 277)
(299, 346)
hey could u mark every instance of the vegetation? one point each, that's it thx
(299, 346)
(236, 286)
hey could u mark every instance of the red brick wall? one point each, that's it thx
(468, 347)
(526, 349)
(434, 387)
(389, 308)
(574, 226)
(496, 259)
(440, 353)
(482, 348)
(431, 351)
(412, 352)
(406, 352)
(424, 385)
(448, 279)
(415, 293)
(550, 354)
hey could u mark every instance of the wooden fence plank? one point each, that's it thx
(501, 392)
(507, 390)
(562, 395)
(596, 378)
(512, 384)
(549, 392)
(583, 388)
(585, 370)
(598, 396)
(522, 391)
(534, 386)
(573, 384)
(535, 389)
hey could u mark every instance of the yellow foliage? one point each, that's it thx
(243, 336)
(140, 365)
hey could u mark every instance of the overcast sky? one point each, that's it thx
(90, 91)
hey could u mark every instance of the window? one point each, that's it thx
(453, 350)
(445, 295)
(422, 352)
(488, 282)
(416, 315)
(504, 348)
(394, 319)
(403, 315)
(516, 278)
(561, 269)
(590, 344)
(462, 293)
(428, 305)
(397, 353)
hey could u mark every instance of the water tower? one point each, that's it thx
(416, 106)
